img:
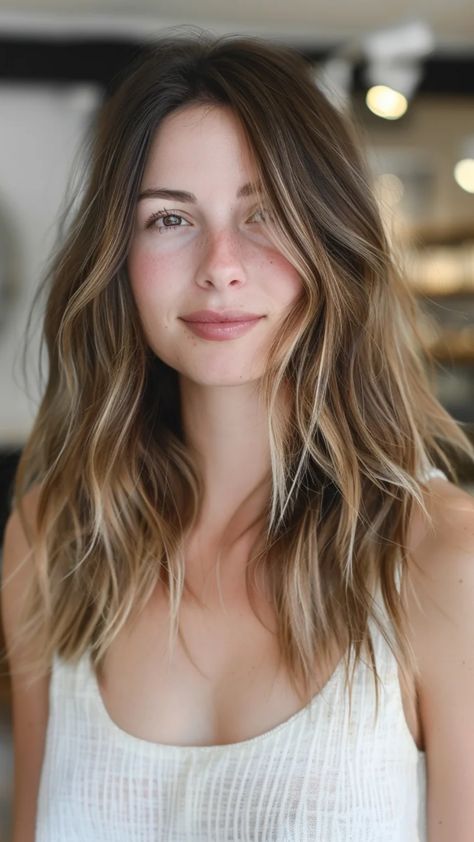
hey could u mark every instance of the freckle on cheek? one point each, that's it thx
(146, 270)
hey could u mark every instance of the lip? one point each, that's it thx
(220, 331)
(220, 316)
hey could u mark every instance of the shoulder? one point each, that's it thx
(15, 525)
(17, 561)
(20, 529)
(29, 693)
(441, 565)
(440, 603)
(443, 547)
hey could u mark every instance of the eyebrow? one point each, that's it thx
(183, 196)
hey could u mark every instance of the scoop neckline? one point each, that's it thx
(151, 745)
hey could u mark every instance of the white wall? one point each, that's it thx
(41, 130)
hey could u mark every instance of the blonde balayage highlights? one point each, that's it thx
(117, 487)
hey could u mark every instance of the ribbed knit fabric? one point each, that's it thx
(323, 775)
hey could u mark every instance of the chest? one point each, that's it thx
(317, 778)
(223, 683)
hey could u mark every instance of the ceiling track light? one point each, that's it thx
(387, 102)
(394, 66)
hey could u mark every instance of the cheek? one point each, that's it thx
(149, 277)
(142, 270)
(148, 287)
(284, 278)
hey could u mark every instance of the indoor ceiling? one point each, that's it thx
(301, 21)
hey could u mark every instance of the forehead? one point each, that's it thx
(200, 139)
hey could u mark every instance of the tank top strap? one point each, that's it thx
(71, 679)
(431, 472)
(383, 652)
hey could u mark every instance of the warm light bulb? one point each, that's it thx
(389, 188)
(386, 102)
(464, 174)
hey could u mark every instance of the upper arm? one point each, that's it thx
(442, 615)
(29, 701)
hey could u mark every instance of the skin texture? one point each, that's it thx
(441, 609)
(219, 254)
(224, 258)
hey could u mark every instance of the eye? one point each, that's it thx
(166, 215)
(267, 217)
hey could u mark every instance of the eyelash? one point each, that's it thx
(164, 213)
(161, 214)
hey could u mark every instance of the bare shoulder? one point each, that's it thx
(18, 540)
(441, 561)
(440, 605)
(444, 546)
(17, 544)
(30, 700)
(15, 527)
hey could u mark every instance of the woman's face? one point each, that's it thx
(210, 250)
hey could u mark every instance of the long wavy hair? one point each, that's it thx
(118, 490)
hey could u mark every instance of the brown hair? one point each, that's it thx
(118, 490)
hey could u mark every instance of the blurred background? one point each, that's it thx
(406, 78)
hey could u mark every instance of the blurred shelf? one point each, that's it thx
(439, 260)
(443, 356)
(452, 344)
(439, 294)
(424, 234)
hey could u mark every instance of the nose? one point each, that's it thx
(221, 263)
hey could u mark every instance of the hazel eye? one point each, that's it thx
(166, 215)
(267, 217)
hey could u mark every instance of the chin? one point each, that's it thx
(234, 378)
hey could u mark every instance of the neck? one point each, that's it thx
(226, 426)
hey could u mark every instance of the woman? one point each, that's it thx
(237, 594)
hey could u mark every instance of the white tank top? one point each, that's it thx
(320, 776)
